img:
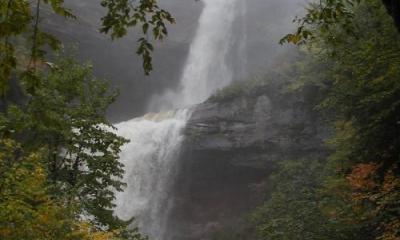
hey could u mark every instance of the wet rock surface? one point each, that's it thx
(230, 149)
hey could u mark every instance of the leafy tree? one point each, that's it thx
(67, 116)
(360, 78)
(353, 49)
(329, 15)
(26, 209)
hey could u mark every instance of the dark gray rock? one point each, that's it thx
(230, 149)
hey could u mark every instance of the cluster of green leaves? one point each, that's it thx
(66, 114)
(354, 194)
(329, 16)
(123, 14)
(22, 18)
(323, 17)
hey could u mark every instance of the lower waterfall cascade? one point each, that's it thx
(149, 166)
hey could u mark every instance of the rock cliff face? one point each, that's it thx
(231, 147)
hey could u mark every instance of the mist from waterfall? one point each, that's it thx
(150, 158)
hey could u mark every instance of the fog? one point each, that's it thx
(260, 25)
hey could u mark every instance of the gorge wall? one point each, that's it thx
(232, 143)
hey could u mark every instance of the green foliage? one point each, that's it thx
(21, 19)
(360, 75)
(26, 209)
(70, 146)
(67, 114)
(123, 14)
(328, 15)
(324, 16)
(296, 208)
(15, 17)
(66, 117)
(355, 61)
(365, 88)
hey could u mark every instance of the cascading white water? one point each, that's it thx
(206, 69)
(149, 165)
(150, 157)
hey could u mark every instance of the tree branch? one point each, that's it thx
(32, 61)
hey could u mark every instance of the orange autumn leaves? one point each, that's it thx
(365, 183)
(377, 190)
(362, 177)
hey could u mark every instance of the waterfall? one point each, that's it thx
(149, 166)
(206, 69)
(150, 158)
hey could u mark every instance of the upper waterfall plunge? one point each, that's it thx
(206, 69)
(150, 158)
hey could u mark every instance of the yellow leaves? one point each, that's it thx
(88, 232)
(292, 38)
(295, 38)
(26, 210)
(8, 143)
(391, 182)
